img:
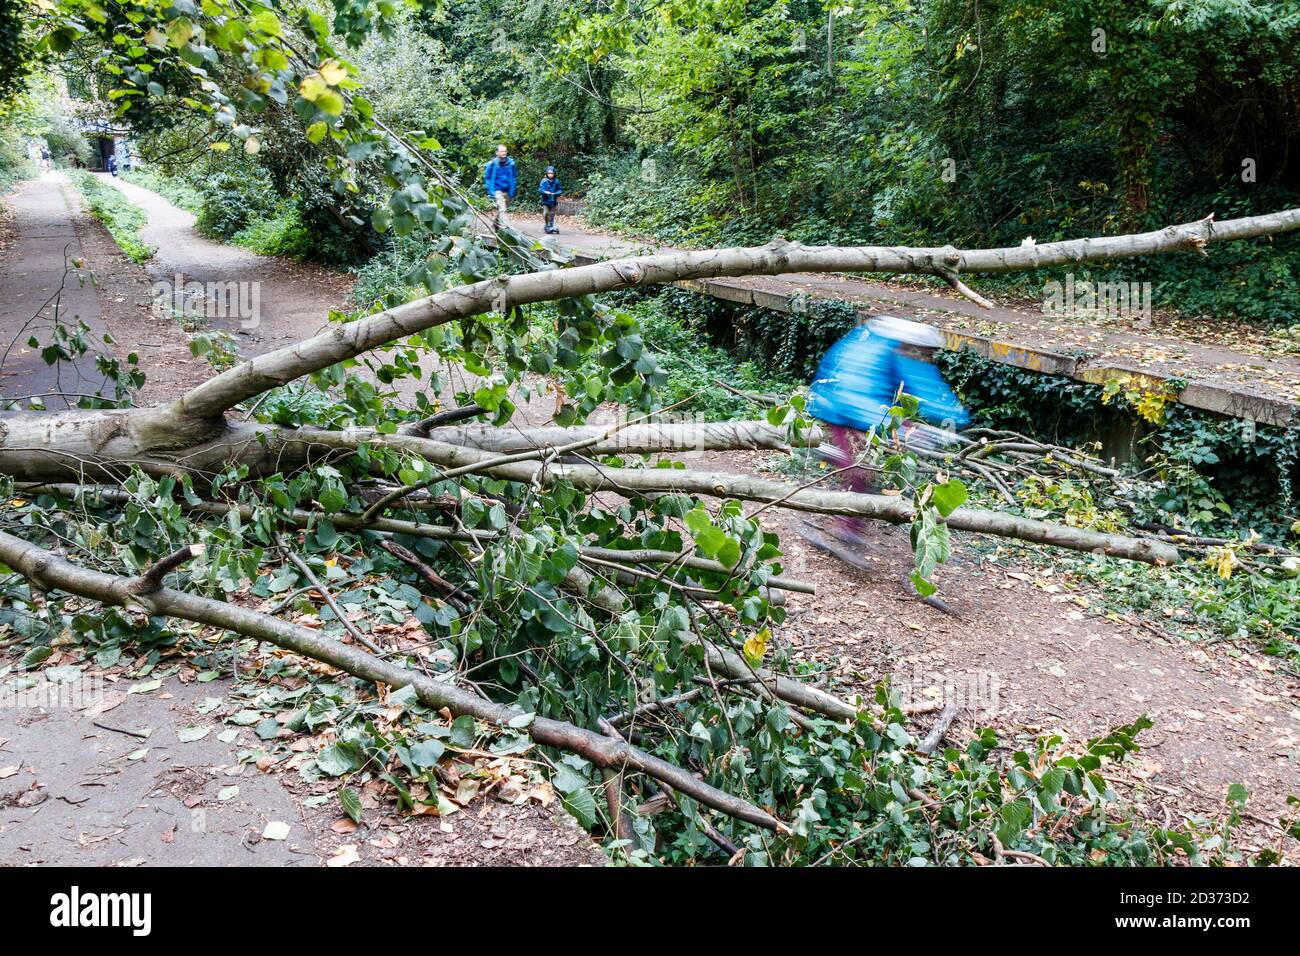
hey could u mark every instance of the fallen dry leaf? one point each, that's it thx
(346, 855)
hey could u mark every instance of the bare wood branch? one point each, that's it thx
(310, 575)
(935, 737)
(152, 578)
(634, 439)
(449, 417)
(776, 258)
(631, 482)
(435, 580)
(49, 571)
(303, 519)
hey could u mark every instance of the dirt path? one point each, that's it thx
(41, 286)
(294, 298)
(1245, 360)
(1037, 643)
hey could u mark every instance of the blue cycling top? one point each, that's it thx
(859, 376)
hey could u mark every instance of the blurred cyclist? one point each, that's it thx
(857, 383)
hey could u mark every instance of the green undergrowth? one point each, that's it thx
(280, 234)
(853, 793)
(1229, 483)
(120, 216)
(176, 191)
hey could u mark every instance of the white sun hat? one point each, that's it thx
(905, 331)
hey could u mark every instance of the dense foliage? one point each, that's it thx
(926, 123)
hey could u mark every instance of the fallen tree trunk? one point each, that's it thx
(632, 440)
(778, 257)
(49, 571)
(269, 449)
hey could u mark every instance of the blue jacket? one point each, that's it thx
(497, 175)
(859, 376)
(550, 190)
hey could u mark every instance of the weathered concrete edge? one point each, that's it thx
(1205, 396)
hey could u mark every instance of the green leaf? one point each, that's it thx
(427, 753)
(462, 731)
(267, 22)
(582, 805)
(336, 760)
(949, 496)
(332, 497)
(36, 655)
(350, 801)
(923, 587)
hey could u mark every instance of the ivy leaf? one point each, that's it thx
(949, 496)
(351, 803)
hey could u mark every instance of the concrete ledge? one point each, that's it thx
(729, 292)
(1233, 402)
(1036, 360)
(774, 301)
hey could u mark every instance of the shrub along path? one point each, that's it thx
(293, 298)
(1238, 371)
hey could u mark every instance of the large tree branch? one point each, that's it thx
(270, 449)
(778, 257)
(641, 481)
(632, 440)
(49, 571)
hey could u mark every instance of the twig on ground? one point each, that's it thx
(310, 575)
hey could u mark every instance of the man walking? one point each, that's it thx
(550, 190)
(499, 181)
